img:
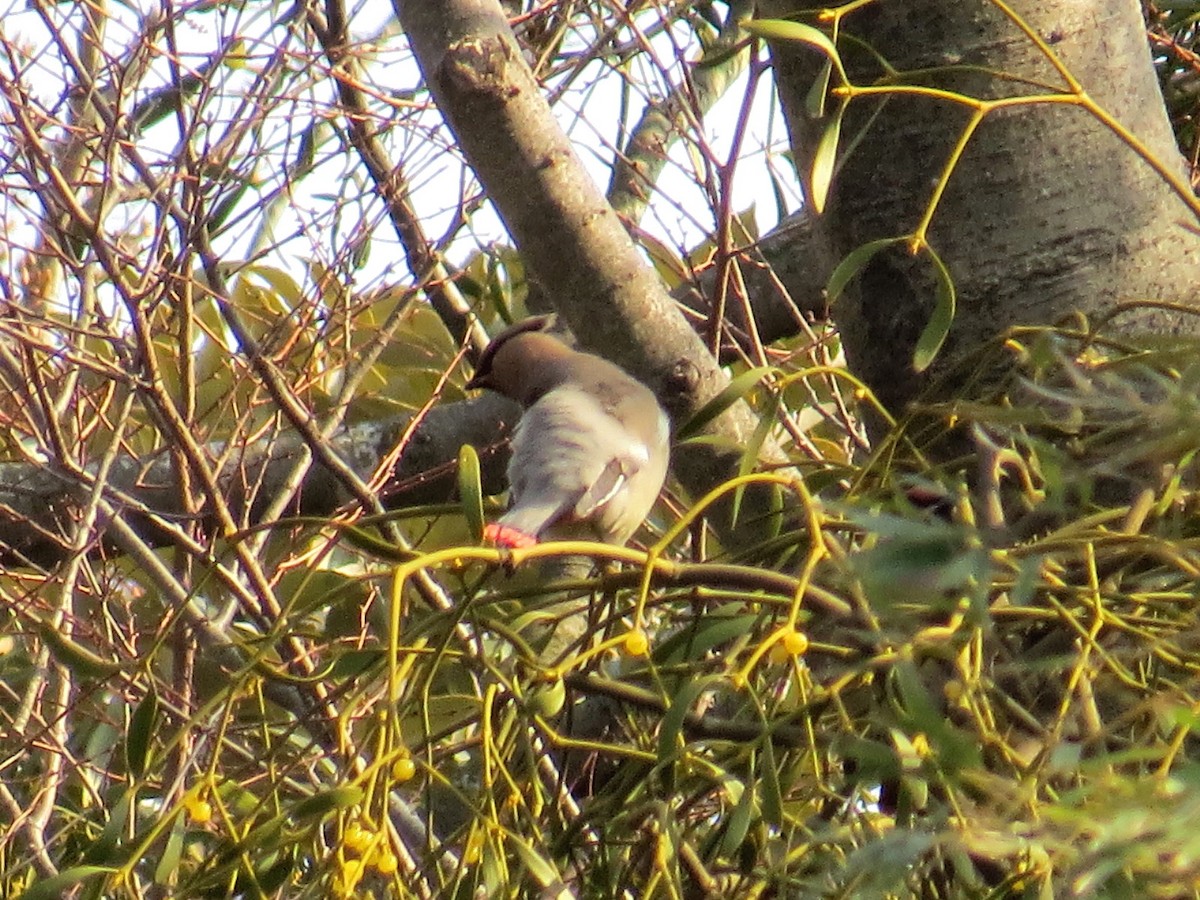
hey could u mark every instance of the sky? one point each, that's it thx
(312, 217)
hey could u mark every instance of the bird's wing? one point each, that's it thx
(570, 458)
(609, 482)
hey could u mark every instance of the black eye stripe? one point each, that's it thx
(534, 323)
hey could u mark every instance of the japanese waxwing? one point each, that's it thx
(590, 451)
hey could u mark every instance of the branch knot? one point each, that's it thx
(479, 66)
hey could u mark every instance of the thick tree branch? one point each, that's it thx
(36, 500)
(1048, 212)
(575, 245)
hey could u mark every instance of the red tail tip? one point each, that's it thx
(507, 536)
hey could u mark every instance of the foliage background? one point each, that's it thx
(224, 226)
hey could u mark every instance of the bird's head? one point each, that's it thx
(523, 361)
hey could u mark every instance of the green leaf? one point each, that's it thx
(768, 787)
(539, 867)
(825, 162)
(284, 285)
(749, 460)
(352, 663)
(853, 263)
(548, 699)
(777, 192)
(738, 388)
(915, 697)
(270, 878)
(934, 334)
(877, 869)
(873, 761)
(442, 713)
(322, 804)
(72, 656)
(774, 516)
(738, 824)
(104, 848)
(814, 100)
(168, 864)
(784, 30)
(360, 249)
(140, 733)
(672, 724)
(228, 204)
(705, 633)
(58, 886)
(715, 441)
(470, 491)
(715, 56)
(666, 261)
(367, 541)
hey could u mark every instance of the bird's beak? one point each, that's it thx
(477, 382)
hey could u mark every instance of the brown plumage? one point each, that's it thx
(590, 452)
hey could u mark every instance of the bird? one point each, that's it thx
(591, 449)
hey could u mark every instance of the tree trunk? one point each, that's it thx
(1047, 213)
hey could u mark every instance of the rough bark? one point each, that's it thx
(1048, 212)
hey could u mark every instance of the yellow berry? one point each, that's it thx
(403, 770)
(795, 642)
(356, 839)
(954, 691)
(199, 810)
(636, 643)
(385, 862)
(790, 644)
(921, 746)
(474, 848)
(349, 876)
